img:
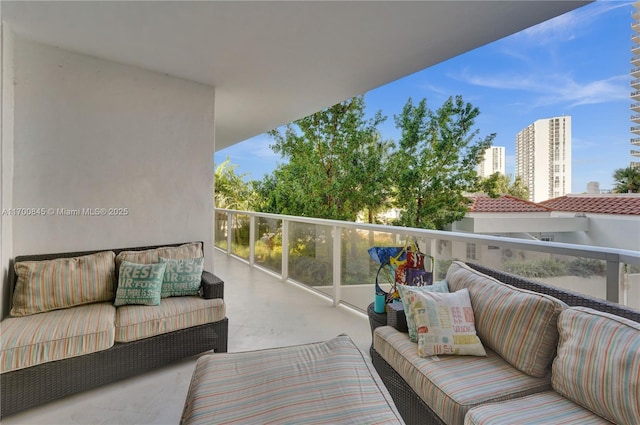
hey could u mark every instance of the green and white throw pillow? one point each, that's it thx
(182, 277)
(408, 296)
(139, 283)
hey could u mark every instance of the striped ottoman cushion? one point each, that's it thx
(544, 408)
(328, 382)
(55, 335)
(451, 385)
(134, 322)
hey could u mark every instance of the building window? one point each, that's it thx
(471, 251)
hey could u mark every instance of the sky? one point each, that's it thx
(577, 64)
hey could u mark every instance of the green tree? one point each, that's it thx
(435, 162)
(230, 189)
(335, 168)
(498, 184)
(627, 180)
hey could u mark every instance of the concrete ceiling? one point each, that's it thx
(272, 62)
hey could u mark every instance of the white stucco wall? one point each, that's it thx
(6, 160)
(91, 133)
(607, 230)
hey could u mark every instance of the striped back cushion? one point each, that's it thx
(63, 282)
(598, 363)
(519, 325)
(152, 256)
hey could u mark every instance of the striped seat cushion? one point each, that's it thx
(329, 382)
(519, 325)
(134, 322)
(64, 282)
(451, 385)
(544, 408)
(55, 335)
(598, 363)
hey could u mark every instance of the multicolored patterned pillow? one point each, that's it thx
(445, 324)
(62, 283)
(139, 283)
(182, 277)
(407, 295)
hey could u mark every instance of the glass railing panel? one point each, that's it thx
(630, 292)
(240, 230)
(268, 244)
(357, 268)
(310, 255)
(221, 229)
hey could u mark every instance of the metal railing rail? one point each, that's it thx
(613, 257)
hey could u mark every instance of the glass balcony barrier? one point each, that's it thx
(331, 257)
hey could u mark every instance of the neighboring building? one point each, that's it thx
(543, 158)
(606, 220)
(593, 188)
(493, 162)
(635, 83)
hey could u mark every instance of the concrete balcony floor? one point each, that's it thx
(263, 312)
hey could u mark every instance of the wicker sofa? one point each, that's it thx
(52, 354)
(529, 375)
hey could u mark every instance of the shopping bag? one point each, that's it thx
(420, 276)
(417, 277)
(382, 254)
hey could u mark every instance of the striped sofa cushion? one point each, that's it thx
(330, 382)
(152, 256)
(55, 335)
(451, 385)
(64, 282)
(598, 363)
(519, 325)
(548, 407)
(134, 322)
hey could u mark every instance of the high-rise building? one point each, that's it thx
(543, 158)
(635, 82)
(493, 162)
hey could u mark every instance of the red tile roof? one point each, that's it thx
(627, 203)
(504, 204)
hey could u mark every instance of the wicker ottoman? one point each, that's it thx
(326, 382)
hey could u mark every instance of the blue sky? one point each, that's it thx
(577, 64)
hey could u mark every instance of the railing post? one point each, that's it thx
(337, 264)
(252, 239)
(285, 250)
(229, 231)
(613, 280)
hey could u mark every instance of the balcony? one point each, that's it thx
(307, 252)
(263, 312)
(272, 301)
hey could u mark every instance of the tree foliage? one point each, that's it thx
(335, 168)
(435, 162)
(627, 180)
(498, 184)
(230, 189)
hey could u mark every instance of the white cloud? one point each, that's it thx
(557, 89)
(568, 26)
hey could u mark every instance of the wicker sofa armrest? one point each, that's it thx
(212, 286)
